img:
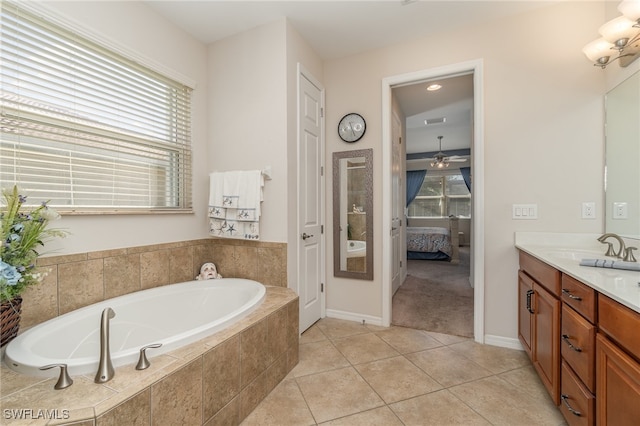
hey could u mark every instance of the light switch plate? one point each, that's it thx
(524, 211)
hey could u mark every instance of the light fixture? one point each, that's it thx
(440, 160)
(620, 36)
(433, 87)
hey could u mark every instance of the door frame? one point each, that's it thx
(302, 72)
(477, 205)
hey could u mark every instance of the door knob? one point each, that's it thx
(305, 235)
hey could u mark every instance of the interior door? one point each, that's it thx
(396, 203)
(310, 201)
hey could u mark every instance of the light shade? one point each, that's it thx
(630, 9)
(618, 28)
(597, 49)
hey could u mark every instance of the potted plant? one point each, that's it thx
(23, 232)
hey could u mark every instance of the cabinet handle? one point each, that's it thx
(573, 411)
(571, 296)
(565, 337)
(529, 293)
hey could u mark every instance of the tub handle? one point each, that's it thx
(64, 381)
(143, 362)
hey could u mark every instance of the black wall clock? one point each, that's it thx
(351, 127)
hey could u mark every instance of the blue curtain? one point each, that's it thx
(414, 182)
(466, 175)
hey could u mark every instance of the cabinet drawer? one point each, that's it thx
(578, 345)
(620, 324)
(547, 276)
(577, 403)
(579, 296)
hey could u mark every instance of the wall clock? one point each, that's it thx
(351, 127)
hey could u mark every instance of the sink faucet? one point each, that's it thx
(610, 252)
(105, 369)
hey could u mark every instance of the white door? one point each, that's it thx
(396, 204)
(310, 200)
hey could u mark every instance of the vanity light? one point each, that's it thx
(621, 34)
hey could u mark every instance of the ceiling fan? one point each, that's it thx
(440, 160)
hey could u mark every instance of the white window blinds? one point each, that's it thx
(86, 127)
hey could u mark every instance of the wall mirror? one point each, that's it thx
(353, 214)
(622, 147)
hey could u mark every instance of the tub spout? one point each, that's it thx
(105, 369)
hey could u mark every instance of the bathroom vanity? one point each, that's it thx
(580, 326)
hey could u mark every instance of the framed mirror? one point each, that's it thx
(622, 147)
(353, 214)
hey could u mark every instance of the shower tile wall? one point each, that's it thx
(78, 280)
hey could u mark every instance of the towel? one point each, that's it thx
(614, 264)
(234, 204)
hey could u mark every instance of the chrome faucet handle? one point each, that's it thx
(143, 362)
(64, 381)
(628, 254)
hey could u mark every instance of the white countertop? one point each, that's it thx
(565, 251)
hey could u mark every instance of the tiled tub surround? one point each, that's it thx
(217, 380)
(77, 280)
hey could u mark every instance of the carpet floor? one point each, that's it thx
(436, 296)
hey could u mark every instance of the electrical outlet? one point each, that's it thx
(589, 210)
(620, 210)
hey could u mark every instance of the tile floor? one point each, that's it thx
(352, 374)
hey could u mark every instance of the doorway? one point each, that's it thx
(476, 236)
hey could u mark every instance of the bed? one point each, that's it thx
(434, 242)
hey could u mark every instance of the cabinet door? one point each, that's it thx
(546, 340)
(617, 385)
(525, 311)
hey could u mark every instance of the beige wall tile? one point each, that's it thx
(272, 266)
(221, 376)
(121, 275)
(253, 346)
(253, 394)
(40, 302)
(177, 399)
(80, 284)
(202, 253)
(154, 268)
(246, 259)
(136, 411)
(181, 264)
(277, 337)
(223, 257)
(228, 416)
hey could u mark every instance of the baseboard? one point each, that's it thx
(503, 342)
(350, 316)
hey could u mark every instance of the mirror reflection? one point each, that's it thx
(353, 214)
(622, 176)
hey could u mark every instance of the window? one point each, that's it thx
(442, 196)
(88, 128)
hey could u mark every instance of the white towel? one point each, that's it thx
(613, 264)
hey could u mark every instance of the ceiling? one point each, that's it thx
(336, 29)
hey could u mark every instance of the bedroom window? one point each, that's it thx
(87, 128)
(442, 196)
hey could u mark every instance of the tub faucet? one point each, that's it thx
(105, 369)
(610, 252)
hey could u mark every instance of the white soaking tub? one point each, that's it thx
(174, 315)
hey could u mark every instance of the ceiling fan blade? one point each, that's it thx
(456, 160)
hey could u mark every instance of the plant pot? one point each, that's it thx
(10, 319)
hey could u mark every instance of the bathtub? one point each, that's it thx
(174, 315)
(356, 248)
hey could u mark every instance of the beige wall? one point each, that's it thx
(543, 134)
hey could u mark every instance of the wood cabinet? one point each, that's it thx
(617, 365)
(584, 345)
(539, 320)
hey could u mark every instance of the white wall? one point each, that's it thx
(543, 135)
(139, 30)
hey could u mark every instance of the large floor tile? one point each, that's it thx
(311, 335)
(364, 348)
(381, 416)
(493, 358)
(447, 367)
(502, 403)
(335, 328)
(395, 379)
(407, 340)
(438, 408)
(283, 406)
(337, 393)
(318, 357)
